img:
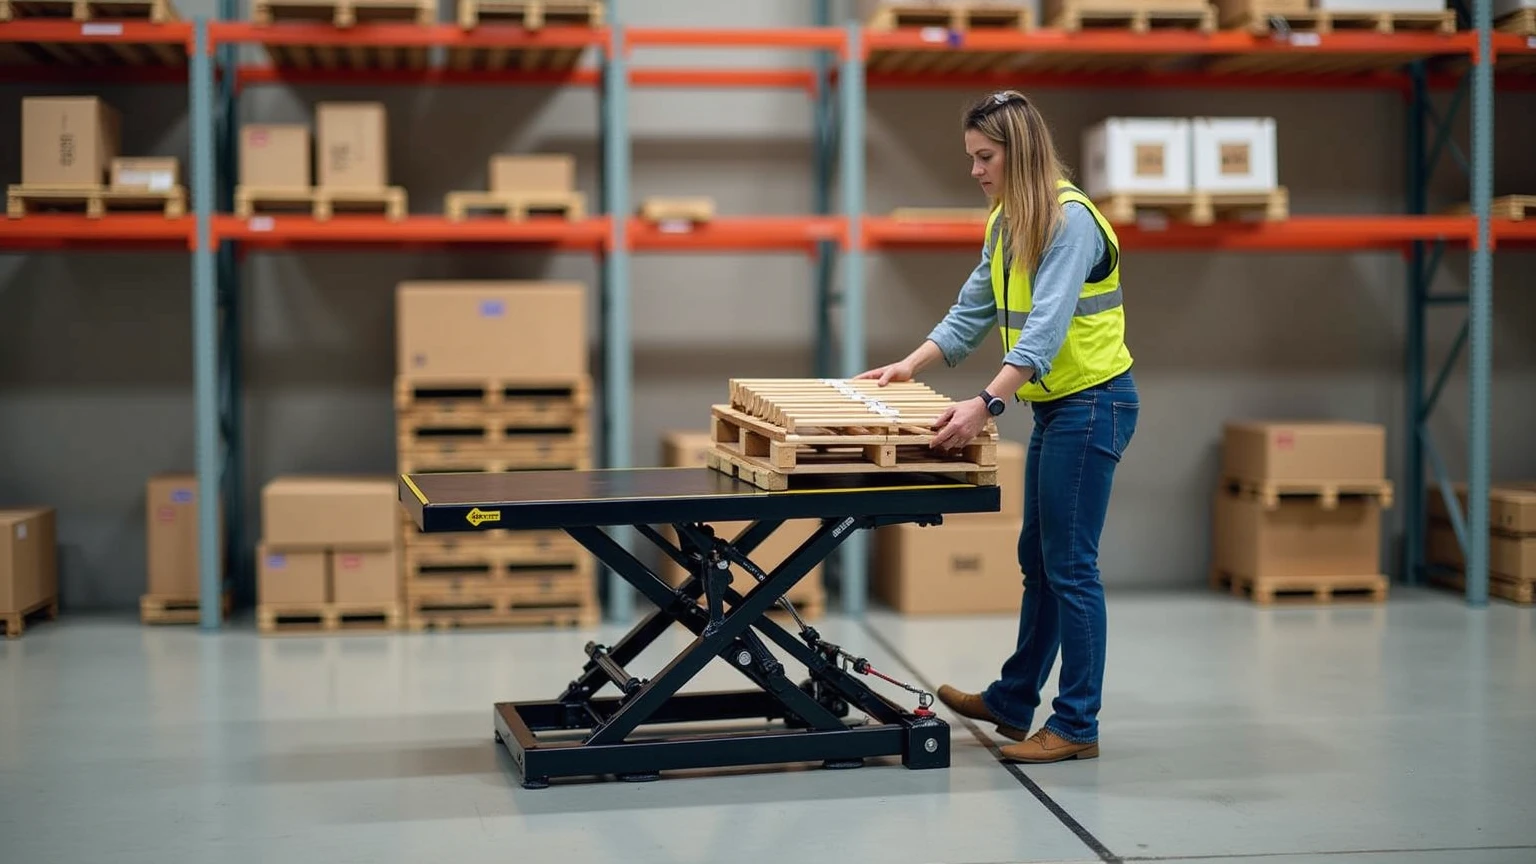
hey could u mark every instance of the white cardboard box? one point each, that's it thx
(1136, 154)
(1234, 154)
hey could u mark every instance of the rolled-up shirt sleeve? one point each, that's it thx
(1064, 268)
(972, 316)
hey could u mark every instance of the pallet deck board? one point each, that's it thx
(14, 624)
(957, 16)
(94, 201)
(674, 209)
(531, 14)
(449, 393)
(514, 206)
(322, 203)
(153, 11)
(1511, 207)
(1138, 16)
(1315, 588)
(278, 618)
(1326, 492)
(343, 13)
(1197, 208)
(1521, 22)
(175, 609)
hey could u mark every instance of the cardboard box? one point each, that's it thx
(68, 140)
(1010, 476)
(1234, 154)
(492, 329)
(537, 173)
(146, 174)
(294, 577)
(365, 576)
(1125, 154)
(1236, 13)
(316, 512)
(170, 515)
(29, 572)
(275, 156)
(1511, 556)
(1511, 506)
(1304, 452)
(773, 551)
(353, 151)
(1297, 538)
(952, 569)
(685, 449)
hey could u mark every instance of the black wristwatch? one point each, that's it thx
(994, 405)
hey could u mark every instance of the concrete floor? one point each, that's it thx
(1344, 735)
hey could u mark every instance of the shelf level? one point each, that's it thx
(738, 234)
(375, 231)
(113, 230)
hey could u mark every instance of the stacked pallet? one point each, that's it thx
(688, 449)
(328, 559)
(70, 161)
(775, 430)
(1511, 541)
(1298, 511)
(493, 376)
(29, 568)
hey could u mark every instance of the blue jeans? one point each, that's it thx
(1076, 444)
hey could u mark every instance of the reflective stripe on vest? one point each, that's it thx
(1091, 305)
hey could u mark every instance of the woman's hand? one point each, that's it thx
(959, 424)
(901, 370)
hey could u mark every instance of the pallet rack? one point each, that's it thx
(201, 53)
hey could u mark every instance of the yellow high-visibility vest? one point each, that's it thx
(1094, 350)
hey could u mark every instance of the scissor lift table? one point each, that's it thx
(597, 735)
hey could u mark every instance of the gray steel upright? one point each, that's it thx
(205, 328)
(855, 552)
(618, 364)
(1480, 310)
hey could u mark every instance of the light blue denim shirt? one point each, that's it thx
(1065, 266)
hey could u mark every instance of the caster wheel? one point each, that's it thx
(640, 777)
(536, 783)
(842, 764)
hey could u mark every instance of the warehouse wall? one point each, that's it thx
(95, 383)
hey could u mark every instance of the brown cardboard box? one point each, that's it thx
(68, 140)
(773, 551)
(325, 511)
(170, 504)
(365, 576)
(353, 150)
(146, 174)
(685, 449)
(536, 173)
(1511, 506)
(1010, 476)
(952, 569)
(1510, 556)
(275, 156)
(1298, 538)
(28, 558)
(1305, 452)
(489, 329)
(285, 576)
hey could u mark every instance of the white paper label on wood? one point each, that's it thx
(100, 29)
(261, 223)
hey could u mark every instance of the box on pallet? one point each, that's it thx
(1136, 154)
(146, 173)
(170, 505)
(1511, 530)
(275, 156)
(1234, 154)
(29, 572)
(1322, 452)
(329, 539)
(492, 329)
(68, 140)
(353, 151)
(299, 576)
(534, 173)
(1511, 505)
(1298, 537)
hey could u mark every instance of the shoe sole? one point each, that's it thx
(1090, 753)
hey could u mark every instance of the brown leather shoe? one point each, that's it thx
(1047, 746)
(970, 705)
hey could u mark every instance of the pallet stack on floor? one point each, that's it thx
(493, 376)
(1297, 511)
(1511, 541)
(329, 558)
(348, 169)
(29, 568)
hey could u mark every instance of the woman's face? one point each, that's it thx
(986, 161)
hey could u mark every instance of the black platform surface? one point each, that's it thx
(653, 496)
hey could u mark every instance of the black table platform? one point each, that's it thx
(597, 735)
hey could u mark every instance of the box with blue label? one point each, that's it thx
(171, 537)
(287, 576)
(492, 329)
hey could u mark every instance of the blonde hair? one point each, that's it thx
(1031, 168)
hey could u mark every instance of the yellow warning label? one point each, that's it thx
(478, 517)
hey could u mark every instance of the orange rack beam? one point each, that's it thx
(739, 234)
(801, 79)
(106, 32)
(1169, 42)
(376, 231)
(1299, 234)
(404, 35)
(65, 231)
(830, 38)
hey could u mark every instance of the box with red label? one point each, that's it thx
(365, 576)
(1304, 452)
(171, 542)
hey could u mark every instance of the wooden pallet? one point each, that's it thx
(532, 398)
(506, 606)
(1518, 591)
(169, 609)
(15, 623)
(94, 202)
(940, 214)
(531, 14)
(691, 210)
(320, 202)
(153, 11)
(1260, 18)
(484, 424)
(532, 449)
(732, 462)
(561, 591)
(343, 13)
(491, 564)
(1134, 15)
(278, 618)
(1521, 22)
(414, 431)
(1315, 589)
(1197, 208)
(1326, 493)
(854, 407)
(412, 462)
(515, 206)
(534, 543)
(950, 16)
(1512, 207)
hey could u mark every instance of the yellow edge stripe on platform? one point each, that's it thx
(419, 497)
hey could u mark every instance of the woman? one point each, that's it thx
(1049, 278)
